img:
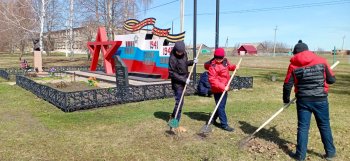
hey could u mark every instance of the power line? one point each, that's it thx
(305, 5)
(296, 6)
(161, 5)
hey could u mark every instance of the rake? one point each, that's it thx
(246, 139)
(174, 123)
(206, 129)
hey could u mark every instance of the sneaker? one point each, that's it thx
(228, 128)
(329, 157)
(296, 157)
(216, 124)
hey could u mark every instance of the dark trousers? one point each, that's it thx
(321, 113)
(178, 93)
(220, 112)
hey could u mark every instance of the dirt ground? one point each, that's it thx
(267, 149)
(71, 86)
(66, 83)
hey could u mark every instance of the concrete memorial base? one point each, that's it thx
(38, 62)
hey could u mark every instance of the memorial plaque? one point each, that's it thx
(121, 73)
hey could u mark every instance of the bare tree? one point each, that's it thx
(53, 22)
(19, 24)
(25, 15)
(108, 12)
(23, 20)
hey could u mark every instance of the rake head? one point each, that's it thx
(205, 130)
(244, 141)
(174, 123)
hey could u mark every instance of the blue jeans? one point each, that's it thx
(178, 93)
(220, 112)
(321, 113)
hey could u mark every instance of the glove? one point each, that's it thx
(227, 88)
(188, 81)
(285, 101)
(284, 104)
(195, 60)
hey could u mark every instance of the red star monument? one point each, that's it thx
(108, 50)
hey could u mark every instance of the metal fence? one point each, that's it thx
(72, 101)
(4, 74)
(10, 73)
(79, 100)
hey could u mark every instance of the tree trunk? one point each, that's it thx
(96, 13)
(42, 20)
(22, 46)
(71, 38)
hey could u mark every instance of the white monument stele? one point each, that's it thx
(38, 61)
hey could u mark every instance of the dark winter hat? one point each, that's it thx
(219, 53)
(180, 46)
(300, 47)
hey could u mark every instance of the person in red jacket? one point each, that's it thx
(310, 74)
(219, 76)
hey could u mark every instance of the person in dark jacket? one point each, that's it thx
(178, 73)
(310, 75)
(219, 77)
(203, 88)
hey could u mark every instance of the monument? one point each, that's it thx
(108, 49)
(38, 61)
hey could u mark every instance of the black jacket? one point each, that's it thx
(178, 69)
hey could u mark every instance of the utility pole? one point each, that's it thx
(226, 42)
(274, 43)
(334, 55)
(194, 37)
(217, 24)
(172, 27)
(342, 46)
(182, 14)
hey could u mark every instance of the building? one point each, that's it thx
(247, 50)
(260, 48)
(59, 40)
(205, 49)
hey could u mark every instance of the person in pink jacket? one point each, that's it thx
(219, 76)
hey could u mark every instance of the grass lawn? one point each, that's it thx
(33, 129)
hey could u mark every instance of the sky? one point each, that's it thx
(322, 24)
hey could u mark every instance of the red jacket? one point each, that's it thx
(219, 74)
(310, 74)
